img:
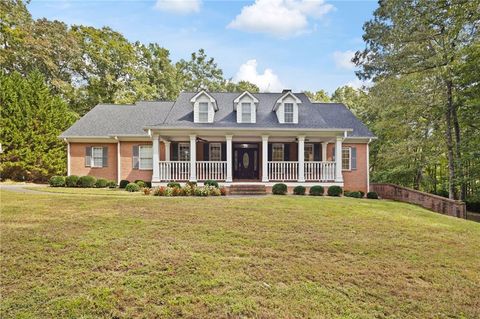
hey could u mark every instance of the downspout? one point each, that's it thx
(119, 166)
(368, 165)
(68, 156)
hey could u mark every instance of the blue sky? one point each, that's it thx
(297, 44)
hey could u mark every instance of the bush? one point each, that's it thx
(177, 191)
(362, 194)
(159, 191)
(334, 191)
(317, 190)
(210, 183)
(223, 191)
(132, 187)
(57, 181)
(473, 205)
(372, 195)
(202, 191)
(299, 190)
(188, 190)
(124, 183)
(71, 181)
(87, 181)
(111, 184)
(140, 183)
(214, 191)
(279, 189)
(352, 194)
(173, 184)
(191, 184)
(101, 183)
(147, 191)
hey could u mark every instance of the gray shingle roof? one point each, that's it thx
(104, 120)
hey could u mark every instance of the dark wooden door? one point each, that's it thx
(246, 163)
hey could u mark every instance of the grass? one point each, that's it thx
(72, 256)
(86, 191)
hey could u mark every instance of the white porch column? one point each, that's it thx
(338, 160)
(264, 158)
(324, 151)
(301, 159)
(228, 138)
(68, 158)
(193, 158)
(156, 158)
(119, 163)
(167, 150)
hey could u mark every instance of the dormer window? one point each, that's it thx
(246, 113)
(288, 113)
(203, 112)
(287, 107)
(246, 106)
(204, 107)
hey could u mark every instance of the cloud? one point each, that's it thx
(358, 84)
(266, 82)
(281, 18)
(343, 60)
(178, 6)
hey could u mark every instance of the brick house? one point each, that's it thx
(234, 138)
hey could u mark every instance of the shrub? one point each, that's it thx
(202, 191)
(124, 183)
(317, 190)
(299, 190)
(362, 194)
(173, 184)
(147, 191)
(214, 191)
(176, 191)
(210, 183)
(101, 183)
(188, 190)
(473, 205)
(372, 195)
(159, 191)
(352, 194)
(169, 191)
(334, 191)
(87, 181)
(223, 191)
(279, 189)
(111, 184)
(132, 187)
(57, 181)
(140, 183)
(191, 184)
(71, 181)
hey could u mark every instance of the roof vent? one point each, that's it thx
(287, 90)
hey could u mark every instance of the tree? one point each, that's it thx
(32, 118)
(241, 86)
(355, 99)
(319, 96)
(201, 72)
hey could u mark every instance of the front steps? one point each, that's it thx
(245, 189)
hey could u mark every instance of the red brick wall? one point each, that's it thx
(127, 172)
(354, 180)
(77, 161)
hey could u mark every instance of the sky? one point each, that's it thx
(276, 44)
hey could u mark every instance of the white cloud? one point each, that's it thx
(358, 84)
(343, 60)
(178, 6)
(281, 18)
(266, 82)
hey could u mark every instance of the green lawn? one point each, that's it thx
(73, 256)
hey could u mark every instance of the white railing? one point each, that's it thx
(283, 171)
(174, 170)
(214, 170)
(320, 171)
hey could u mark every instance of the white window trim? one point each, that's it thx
(285, 113)
(245, 113)
(200, 112)
(309, 145)
(219, 145)
(349, 158)
(283, 151)
(92, 159)
(140, 158)
(178, 151)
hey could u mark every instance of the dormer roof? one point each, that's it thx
(237, 100)
(286, 93)
(203, 92)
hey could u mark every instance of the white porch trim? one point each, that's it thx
(193, 158)
(264, 158)
(228, 139)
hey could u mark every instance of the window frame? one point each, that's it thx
(344, 148)
(289, 113)
(282, 146)
(92, 159)
(219, 145)
(179, 148)
(245, 113)
(140, 157)
(311, 146)
(204, 113)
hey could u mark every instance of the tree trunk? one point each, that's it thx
(460, 172)
(448, 135)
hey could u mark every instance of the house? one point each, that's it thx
(255, 138)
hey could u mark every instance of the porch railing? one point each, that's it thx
(282, 171)
(174, 170)
(214, 170)
(320, 171)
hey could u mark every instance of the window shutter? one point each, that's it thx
(333, 155)
(269, 151)
(286, 152)
(206, 151)
(105, 156)
(353, 155)
(88, 156)
(135, 160)
(316, 152)
(174, 151)
(224, 151)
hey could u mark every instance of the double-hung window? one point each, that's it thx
(246, 113)
(203, 112)
(97, 157)
(215, 151)
(145, 157)
(288, 114)
(346, 158)
(277, 152)
(308, 152)
(183, 151)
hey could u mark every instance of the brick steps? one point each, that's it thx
(247, 190)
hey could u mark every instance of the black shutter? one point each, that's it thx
(206, 151)
(135, 160)
(88, 156)
(174, 151)
(354, 158)
(316, 153)
(224, 151)
(286, 152)
(105, 157)
(269, 151)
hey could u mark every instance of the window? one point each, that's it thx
(308, 152)
(277, 152)
(288, 112)
(215, 152)
(97, 156)
(203, 112)
(183, 151)
(246, 113)
(346, 159)
(145, 157)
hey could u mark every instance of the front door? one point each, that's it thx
(246, 163)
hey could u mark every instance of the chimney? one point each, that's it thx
(287, 90)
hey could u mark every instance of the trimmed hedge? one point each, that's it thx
(86, 181)
(352, 194)
(57, 181)
(132, 187)
(372, 195)
(279, 189)
(140, 183)
(101, 183)
(174, 184)
(71, 181)
(111, 184)
(317, 190)
(211, 183)
(299, 190)
(334, 191)
(124, 183)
